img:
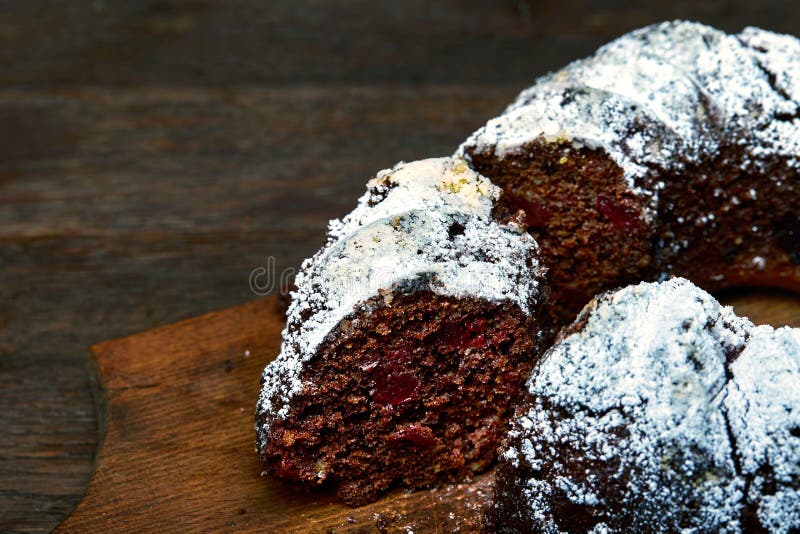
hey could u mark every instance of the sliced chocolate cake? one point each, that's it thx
(673, 150)
(658, 410)
(408, 340)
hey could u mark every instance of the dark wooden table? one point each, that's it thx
(154, 153)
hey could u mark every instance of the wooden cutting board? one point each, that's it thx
(177, 441)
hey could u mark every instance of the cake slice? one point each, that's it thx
(673, 150)
(408, 340)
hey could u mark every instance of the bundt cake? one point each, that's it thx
(408, 339)
(657, 410)
(672, 150)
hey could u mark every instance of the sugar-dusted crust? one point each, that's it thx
(762, 400)
(426, 224)
(662, 97)
(660, 410)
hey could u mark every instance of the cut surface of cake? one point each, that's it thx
(674, 149)
(408, 339)
(658, 410)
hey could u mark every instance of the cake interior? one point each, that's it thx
(591, 229)
(413, 388)
(721, 223)
(732, 223)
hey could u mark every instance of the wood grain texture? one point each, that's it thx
(154, 152)
(229, 42)
(178, 453)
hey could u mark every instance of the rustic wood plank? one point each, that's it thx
(178, 448)
(100, 160)
(214, 42)
(47, 443)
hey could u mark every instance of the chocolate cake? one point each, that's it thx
(658, 410)
(408, 339)
(672, 150)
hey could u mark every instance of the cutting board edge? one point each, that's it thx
(100, 392)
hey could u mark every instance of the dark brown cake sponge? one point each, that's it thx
(673, 150)
(413, 388)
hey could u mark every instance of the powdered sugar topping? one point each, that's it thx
(763, 400)
(639, 403)
(435, 183)
(660, 97)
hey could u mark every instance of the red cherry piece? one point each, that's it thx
(537, 215)
(619, 215)
(510, 377)
(452, 340)
(417, 434)
(477, 342)
(461, 339)
(399, 356)
(369, 366)
(395, 388)
(477, 325)
(469, 334)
